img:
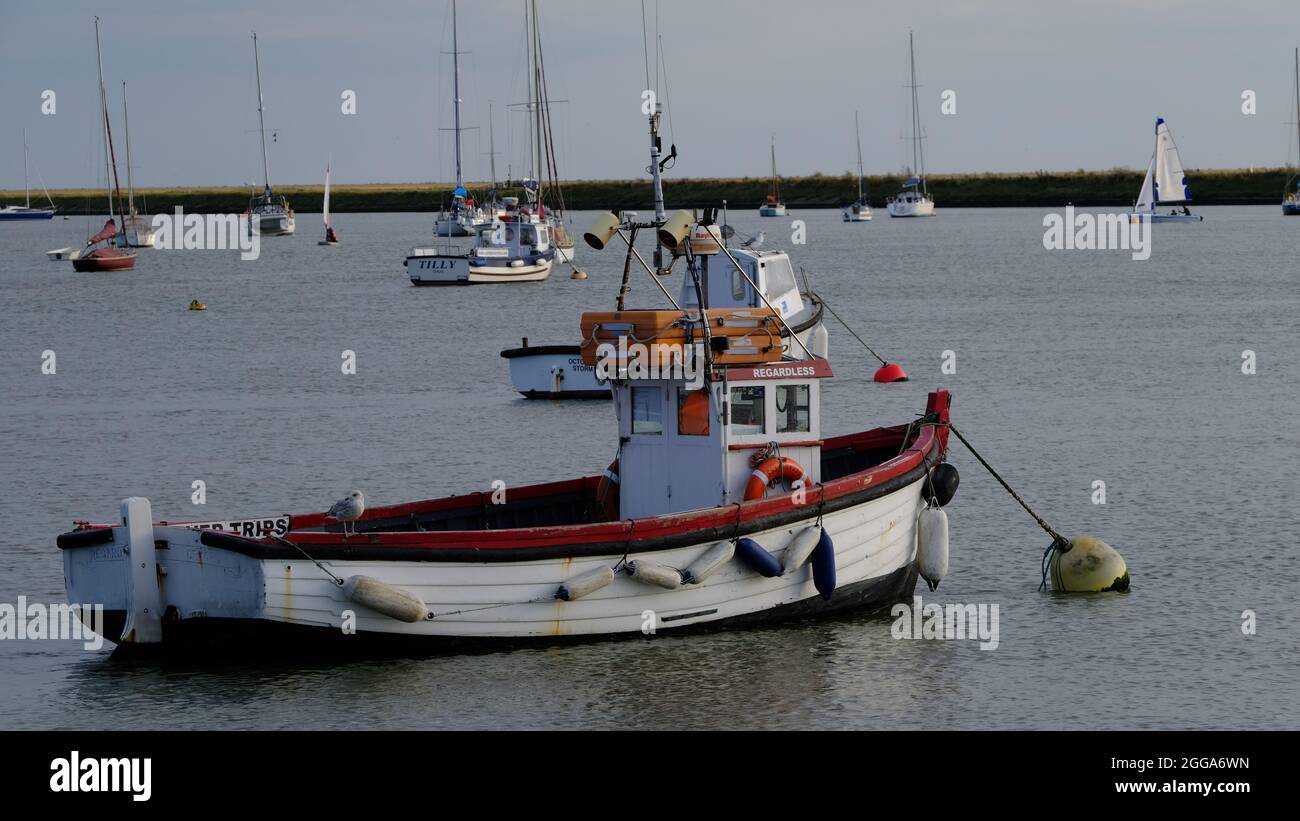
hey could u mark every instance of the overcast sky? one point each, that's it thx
(1038, 85)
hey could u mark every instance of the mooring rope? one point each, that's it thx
(1059, 544)
(828, 307)
(296, 547)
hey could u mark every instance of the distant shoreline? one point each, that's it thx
(1041, 189)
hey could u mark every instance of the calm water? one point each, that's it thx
(1071, 367)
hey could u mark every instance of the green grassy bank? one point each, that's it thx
(1048, 189)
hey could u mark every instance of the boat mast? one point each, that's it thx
(455, 85)
(1297, 105)
(776, 185)
(103, 110)
(918, 152)
(126, 124)
(492, 150)
(26, 185)
(857, 132)
(261, 123)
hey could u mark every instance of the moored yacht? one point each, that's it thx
(914, 200)
(268, 214)
(860, 209)
(464, 217)
(773, 205)
(27, 212)
(1291, 192)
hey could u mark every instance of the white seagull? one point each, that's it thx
(755, 242)
(348, 509)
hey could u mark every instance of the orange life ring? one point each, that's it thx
(607, 509)
(768, 472)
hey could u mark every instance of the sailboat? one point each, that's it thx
(104, 255)
(773, 206)
(463, 217)
(27, 212)
(1291, 197)
(914, 200)
(331, 238)
(268, 214)
(138, 230)
(544, 144)
(1165, 183)
(860, 210)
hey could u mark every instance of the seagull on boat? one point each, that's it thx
(754, 242)
(348, 509)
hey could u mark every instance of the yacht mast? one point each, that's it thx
(26, 185)
(126, 124)
(261, 122)
(455, 72)
(918, 152)
(857, 132)
(103, 111)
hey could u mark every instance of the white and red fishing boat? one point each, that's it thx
(104, 254)
(726, 505)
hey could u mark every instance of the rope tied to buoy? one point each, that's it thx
(1059, 544)
(297, 547)
(828, 307)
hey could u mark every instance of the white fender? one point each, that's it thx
(660, 575)
(708, 561)
(932, 552)
(584, 583)
(800, 548)
(382, 597)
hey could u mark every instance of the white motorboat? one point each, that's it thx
(1165, 184)
(269, 214)
(515, 248)
(914, 200)
(860, 209)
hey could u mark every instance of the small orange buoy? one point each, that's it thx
(891, 372)
(577, 274)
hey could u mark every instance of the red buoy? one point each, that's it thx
(891, 372)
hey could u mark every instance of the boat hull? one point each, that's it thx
(104, 259)
(1291, 209)
(771, 211)
(34, 214)
(453, 269)
(553, 372)
(856, 215)
(275, 225)
(921, 208)
(214, 584)
(1167, 217)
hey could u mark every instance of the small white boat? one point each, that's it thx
(516, 248)
(269, 214)
(553, 372)
(773, 206)
(331, 238)
(914, 200)
(63, 253)
(1165, 184)
(860, 209)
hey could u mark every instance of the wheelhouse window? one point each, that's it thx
(739, 285)
(647, 411)
(693, 412)
(793, 409)
(747, 409)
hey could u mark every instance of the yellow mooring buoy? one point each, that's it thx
(1087, 565)
(195, 305)
(578, 274)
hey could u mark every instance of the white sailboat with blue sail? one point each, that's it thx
(1165, 183)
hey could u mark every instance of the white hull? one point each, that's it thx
(568, 254)
(450, 269)
(1137, 217)
(771, 211)
(856, 215)
(875, 544)
(911, 208)
(274, 225)
(139, 233)
(63, 253)
(456, 226)
(554, 372)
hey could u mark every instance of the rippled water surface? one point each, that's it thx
(1071, 367)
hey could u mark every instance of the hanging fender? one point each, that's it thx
(770, 471)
